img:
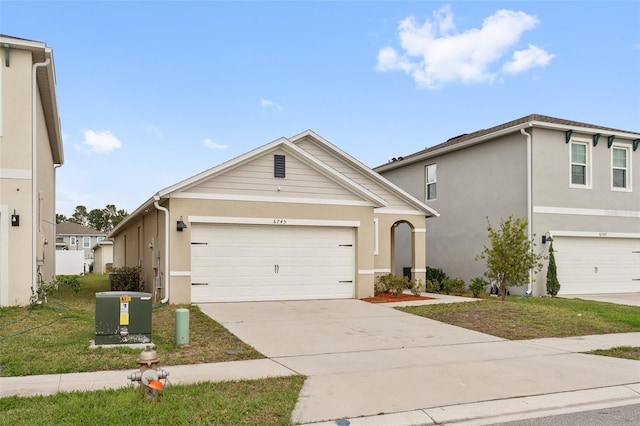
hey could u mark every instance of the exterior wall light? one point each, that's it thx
(15, 219)
(180, 225)
(547, 237)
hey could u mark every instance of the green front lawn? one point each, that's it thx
(54, 337)
(520, 318)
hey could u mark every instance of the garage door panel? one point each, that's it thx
(597, 265)
(252, 263)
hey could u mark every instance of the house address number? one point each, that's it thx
(279, 221)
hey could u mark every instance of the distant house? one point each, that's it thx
(72, 236)
(103, 257)
(294, 219)
(576, 183)
(30, 152)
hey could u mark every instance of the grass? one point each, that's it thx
(54, 337)
(257, 402)
(520, 318)
(627, 352)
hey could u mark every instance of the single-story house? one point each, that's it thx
(294, 219)
(103, 257)
(577, 184)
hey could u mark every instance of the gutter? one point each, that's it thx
(156, 199)
(529, 202)
(34, 175)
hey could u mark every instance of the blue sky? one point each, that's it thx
(153, 92)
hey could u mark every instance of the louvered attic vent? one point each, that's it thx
(278, 166)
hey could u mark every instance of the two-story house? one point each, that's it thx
(577, 184)
(30, 152)
(75, 237)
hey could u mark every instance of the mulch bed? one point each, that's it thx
(388, 298)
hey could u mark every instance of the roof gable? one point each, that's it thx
(255, 167)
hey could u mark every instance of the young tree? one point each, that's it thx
(553, 285)
(510, 254)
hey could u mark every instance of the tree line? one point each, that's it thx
(103, 220)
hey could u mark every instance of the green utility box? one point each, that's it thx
(123, 317)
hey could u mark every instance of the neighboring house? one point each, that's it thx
(30, 152)
(103, 257)
(74, 237)
(576, 182)
(294, 219)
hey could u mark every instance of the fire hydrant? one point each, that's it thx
(149, 374)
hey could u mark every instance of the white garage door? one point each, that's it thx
(232, 263)
(597, 265)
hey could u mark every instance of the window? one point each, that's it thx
(580, 167)
(620, 168)
(430, 172)
(278, 166)
(86, 242)
(100, 239)
(73, 241)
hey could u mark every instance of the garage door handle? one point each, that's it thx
(202, 244)
(345, 282)
(199, 283)
(276, 269)
(345, 245)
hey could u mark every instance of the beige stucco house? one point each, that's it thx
(294, 219)
(103, 257)
(30, 152)
(577, 183)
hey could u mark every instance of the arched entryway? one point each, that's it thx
(402, 249)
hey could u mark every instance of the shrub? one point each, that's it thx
(478, 286)
(390, 283)
(70, 280)
(436, 275)
(553, 285)
(126, 278)
(433, 286)
(454, 285)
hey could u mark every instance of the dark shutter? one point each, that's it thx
(278, 166)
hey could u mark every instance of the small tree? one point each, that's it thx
(553, 285)
(510, 255)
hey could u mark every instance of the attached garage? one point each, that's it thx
(279, 262)
(295, 219)
(591, 265)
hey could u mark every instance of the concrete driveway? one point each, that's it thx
(631, 299)
(363, 359)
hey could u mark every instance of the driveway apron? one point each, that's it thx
(364, 359)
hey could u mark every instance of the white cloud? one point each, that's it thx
(435, 53)
(266, 103)
(102, 141)
(213, 145)
(523, 60)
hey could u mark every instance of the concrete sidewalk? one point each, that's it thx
(374, 365)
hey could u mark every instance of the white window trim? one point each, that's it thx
(427, 183)
(586, 142)
(73, 241)
(627, 148)
(84, 244)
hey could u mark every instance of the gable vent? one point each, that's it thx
(278, 166)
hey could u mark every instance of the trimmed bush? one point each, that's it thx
(126, 278)
(390, 283)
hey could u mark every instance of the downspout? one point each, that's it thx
(166, 247)
(529, 202)
(34, 175)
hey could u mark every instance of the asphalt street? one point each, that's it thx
(610, 416)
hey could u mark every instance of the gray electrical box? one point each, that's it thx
(123, 317)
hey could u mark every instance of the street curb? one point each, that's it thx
(504, 410)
